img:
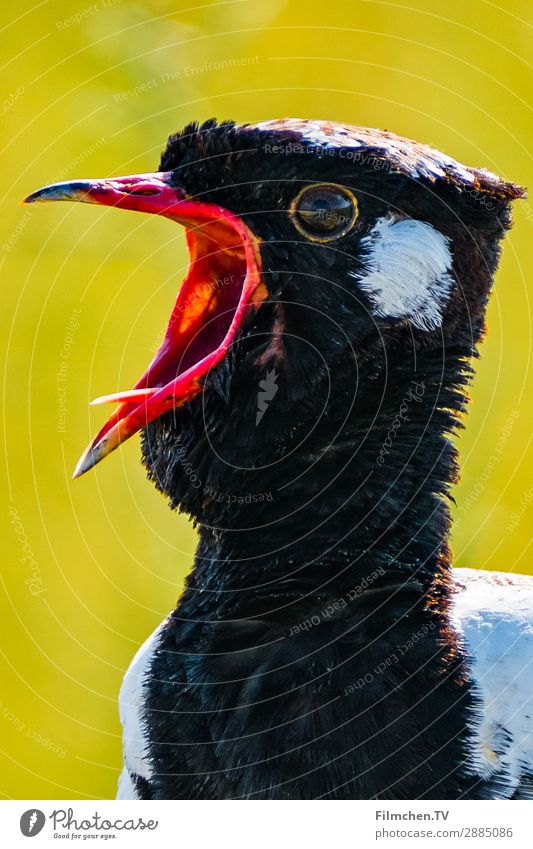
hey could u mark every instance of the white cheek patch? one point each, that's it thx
(408, 264)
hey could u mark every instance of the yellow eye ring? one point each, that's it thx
(323, 212)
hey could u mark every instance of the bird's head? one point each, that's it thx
(311, 243)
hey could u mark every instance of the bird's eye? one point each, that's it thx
(324, 211)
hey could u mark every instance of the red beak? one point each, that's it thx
(222, 284)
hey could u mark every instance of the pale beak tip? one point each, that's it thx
(79, 470)
(79, 190)
(86, 462)
(36, 197)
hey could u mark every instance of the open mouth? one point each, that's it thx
(222, 285)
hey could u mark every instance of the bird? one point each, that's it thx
(301, 410)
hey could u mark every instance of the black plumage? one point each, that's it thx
(312, 653)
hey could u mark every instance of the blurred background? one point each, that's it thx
(90, 567)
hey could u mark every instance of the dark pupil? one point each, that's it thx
(323, 210)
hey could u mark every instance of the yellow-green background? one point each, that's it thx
(110, 556)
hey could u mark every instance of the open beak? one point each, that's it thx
(222, 284)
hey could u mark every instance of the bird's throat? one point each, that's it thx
(358, 506)
(306, 597)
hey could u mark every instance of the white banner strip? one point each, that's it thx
(268, 825)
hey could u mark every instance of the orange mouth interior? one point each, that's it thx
(222, 284)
